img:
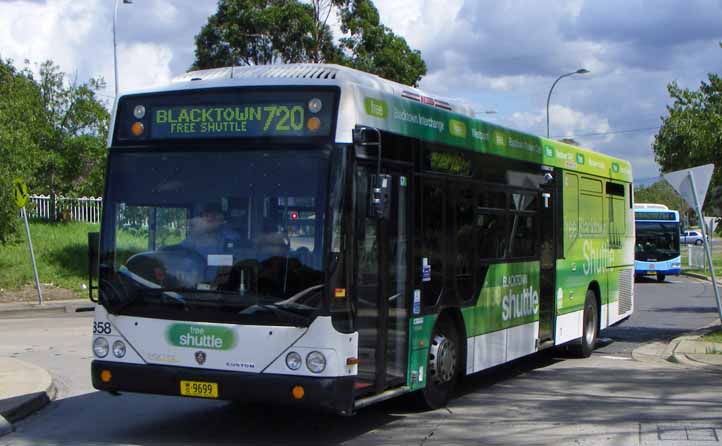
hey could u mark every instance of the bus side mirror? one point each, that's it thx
(379, 196)
(93, 262)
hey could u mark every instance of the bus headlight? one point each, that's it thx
(316, 362)
(118, 349)
(293, 361)
(101, 347)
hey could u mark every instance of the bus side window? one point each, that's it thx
(432, 242)
(571, 210)
(491, 224)
(464, 252)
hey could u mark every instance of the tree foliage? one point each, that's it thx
(661, 192)
(691, 134)
(375, 48)
(52, 135)
(258, 32)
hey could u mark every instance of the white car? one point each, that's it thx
(691, 237)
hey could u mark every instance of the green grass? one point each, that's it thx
(715, 336)
(61, 252)
(716, 261)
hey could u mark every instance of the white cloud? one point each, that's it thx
(564, 122)
(143, 65)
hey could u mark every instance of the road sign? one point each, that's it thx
(681, 181)
(692, 185)
(20, 193)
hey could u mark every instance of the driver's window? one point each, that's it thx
(171, 226)
(132, 231)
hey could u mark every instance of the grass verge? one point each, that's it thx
(715, 336)
(61, 252)
(716, 261)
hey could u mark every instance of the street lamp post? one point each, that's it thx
(115, 50)
(579, 71)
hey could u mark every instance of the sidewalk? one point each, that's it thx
(689, 350)
(24, 389)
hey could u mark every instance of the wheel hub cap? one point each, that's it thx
(442, 359)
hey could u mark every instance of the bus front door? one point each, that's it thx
(548, 261)
(381, 284)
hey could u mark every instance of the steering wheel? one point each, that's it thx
(183, 259)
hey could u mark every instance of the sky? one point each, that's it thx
(500, 56)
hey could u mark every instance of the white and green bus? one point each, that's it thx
(321, 237)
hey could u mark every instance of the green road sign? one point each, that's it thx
(20, 193)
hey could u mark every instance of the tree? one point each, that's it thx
(76, 130)
(661, 192)
(20, 107)
(52, 135)
(257, 32)
(375, 48)
(691, 134)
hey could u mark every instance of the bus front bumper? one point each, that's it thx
(666, 272)
(334, 394)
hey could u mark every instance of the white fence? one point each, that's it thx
(85, 209)
(696, 257)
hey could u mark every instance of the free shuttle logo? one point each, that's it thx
(200, 336)
(520, 298)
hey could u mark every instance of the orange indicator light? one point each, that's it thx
(339, 293)
(351, 361)
(298, 392)
(106, 376)
(137, 128)
(313, 124)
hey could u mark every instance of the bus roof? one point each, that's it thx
(650, 206)
(367, 99)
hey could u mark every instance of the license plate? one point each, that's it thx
(199, 389)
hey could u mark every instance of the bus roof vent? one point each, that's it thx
(650, 206)
(298, 71)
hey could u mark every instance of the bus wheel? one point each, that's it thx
(443, 365)
(661, 277)
(590, 327)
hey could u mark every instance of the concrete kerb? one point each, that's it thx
(24, 389)
(49, 308)
(700, 276)
(686, 350)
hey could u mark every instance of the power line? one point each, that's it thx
(641, 129)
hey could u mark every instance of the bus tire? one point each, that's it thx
(443, 365)
(590, 327)
(661, 277)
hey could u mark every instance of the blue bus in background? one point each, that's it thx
(657, 241)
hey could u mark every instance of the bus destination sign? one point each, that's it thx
(238, 121)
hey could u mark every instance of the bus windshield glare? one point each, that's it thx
(224, 236)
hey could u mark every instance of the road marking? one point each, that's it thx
(621, 358)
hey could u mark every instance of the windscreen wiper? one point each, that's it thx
(281, 313)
